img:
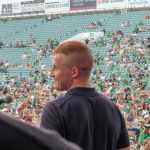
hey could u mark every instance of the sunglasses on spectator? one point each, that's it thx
(132, 139)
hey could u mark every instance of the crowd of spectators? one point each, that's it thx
(94, 25)
(126, 81)
(128, 89)
(3, 66)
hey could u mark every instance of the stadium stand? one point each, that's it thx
(122, 64)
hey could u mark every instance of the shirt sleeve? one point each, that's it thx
(51, 118)
(123, 141)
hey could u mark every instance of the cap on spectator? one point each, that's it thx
(130, 103)
(130, 118)
(11, 93)
(146, 116)
(147, 125)
(125, 101)
(139, 109)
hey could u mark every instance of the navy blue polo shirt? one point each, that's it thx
(88, 119)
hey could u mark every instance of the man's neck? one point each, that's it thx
(82, 83)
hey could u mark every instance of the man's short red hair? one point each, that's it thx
(78, 55)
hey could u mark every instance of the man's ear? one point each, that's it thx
(75, 72)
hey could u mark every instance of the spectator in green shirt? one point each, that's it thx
(136, 29)
(140, 23)
(145, 80)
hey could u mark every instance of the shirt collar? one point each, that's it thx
(83, 91)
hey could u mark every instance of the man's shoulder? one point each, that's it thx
(79, 100)
(105, 104)
(61, 101)
(105, 99)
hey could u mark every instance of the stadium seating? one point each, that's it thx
(62, 29)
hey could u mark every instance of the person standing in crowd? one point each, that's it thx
(82, 115)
